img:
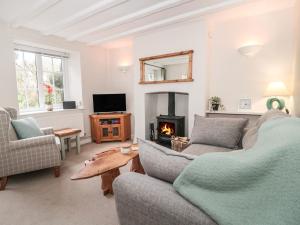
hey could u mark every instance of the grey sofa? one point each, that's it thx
(21, 156)
(151, 199)
(147, 200)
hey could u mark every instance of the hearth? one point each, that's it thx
(169, 125)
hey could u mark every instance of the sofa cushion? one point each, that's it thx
(250, 137)
(199, 149)
(26, 128)
(161, 162)
(222, 132)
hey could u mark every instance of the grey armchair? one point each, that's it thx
(21, 156)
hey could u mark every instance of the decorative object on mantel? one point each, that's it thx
(274, 90)
(179, 143)
(245, 104)
(49, 97)
(167, 68)
(215, 104)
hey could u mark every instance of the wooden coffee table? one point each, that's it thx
(107, 165)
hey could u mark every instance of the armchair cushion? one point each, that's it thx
(26, 128)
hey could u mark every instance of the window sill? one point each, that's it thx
(45, 112)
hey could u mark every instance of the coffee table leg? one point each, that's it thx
(107, 180)
(136, 166)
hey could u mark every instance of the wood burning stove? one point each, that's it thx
(169, 125)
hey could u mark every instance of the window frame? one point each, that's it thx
(40, 80)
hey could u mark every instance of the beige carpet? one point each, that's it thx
(38, 198)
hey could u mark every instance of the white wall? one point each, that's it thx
(233, 76)
(8, 84)
(186, 36)
(297, 63)
(93, 79)
(116, 80)
(60, 119)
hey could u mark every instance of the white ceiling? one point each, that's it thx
(98, 21)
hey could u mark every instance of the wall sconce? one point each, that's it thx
(124, 69)
(250, 50)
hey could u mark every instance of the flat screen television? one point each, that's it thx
(109, 103)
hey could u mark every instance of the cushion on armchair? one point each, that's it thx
(26, 128)
(160, 162)
(223, 132)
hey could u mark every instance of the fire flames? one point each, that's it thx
(166, 129)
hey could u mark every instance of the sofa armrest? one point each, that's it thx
(47, 130)
(141, 199)
(31, 142)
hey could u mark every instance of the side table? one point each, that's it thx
(67, 134)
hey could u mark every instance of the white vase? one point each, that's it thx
(50, 107)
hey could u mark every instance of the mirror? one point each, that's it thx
(167, 68)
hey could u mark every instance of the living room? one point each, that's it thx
(243, 54)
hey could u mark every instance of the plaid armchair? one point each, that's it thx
(21, 156)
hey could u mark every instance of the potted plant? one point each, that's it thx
(49, 97)
(215, 103)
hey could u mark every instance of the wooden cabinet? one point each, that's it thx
(110, 127)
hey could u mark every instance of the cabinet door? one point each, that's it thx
(105, 132)
(116, 131)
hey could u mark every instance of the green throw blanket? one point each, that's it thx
(260, 186)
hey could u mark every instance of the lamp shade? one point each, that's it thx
(277, 89)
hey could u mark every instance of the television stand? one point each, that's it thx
(110, 127)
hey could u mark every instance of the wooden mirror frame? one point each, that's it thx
(190, 67)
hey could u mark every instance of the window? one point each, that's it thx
(27, 81)
(33, 71)
(53, 75)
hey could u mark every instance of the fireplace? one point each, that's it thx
(169, 125)
(166, 128)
